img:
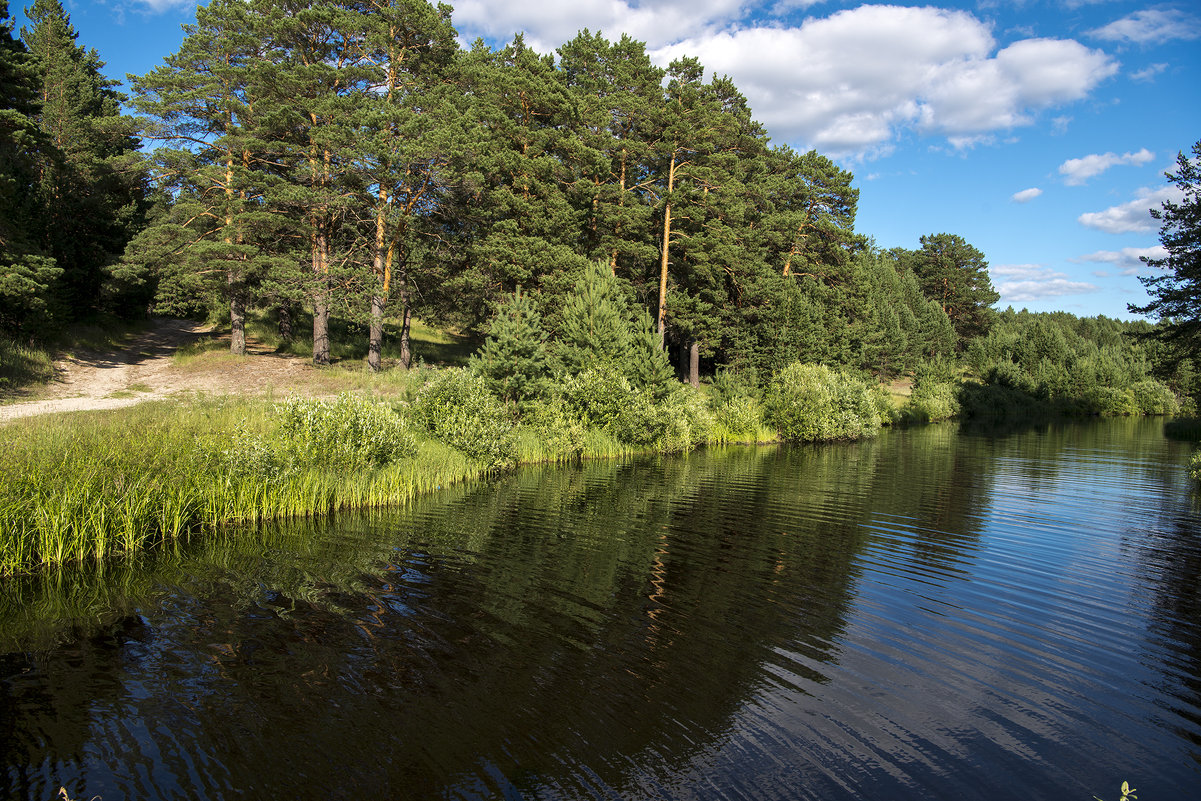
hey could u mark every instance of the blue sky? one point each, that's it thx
(1038, 130)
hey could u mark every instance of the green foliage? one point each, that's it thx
(347, 432)
(932, 401)
(602, 398)
(595, 327)
(458, 408)
(954, 275)
(646, 363)
(514, 361)
(22, 364)
(813, 403)
(1153, 397)
(741, 417)
(1066, 365)
(1175, 290)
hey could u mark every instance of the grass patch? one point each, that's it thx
(90, 485)
(22, 365)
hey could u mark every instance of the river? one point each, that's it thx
(934, 614)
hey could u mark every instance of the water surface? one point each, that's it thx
(929, 615)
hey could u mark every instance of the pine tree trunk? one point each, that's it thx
(406, 355)
(662, 319)
(375, 342)
(237, 318)
(320, 297)
(383, 269)
(285, 324)
(694, 364)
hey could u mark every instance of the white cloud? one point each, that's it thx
(1128, 260)
(550, 23)
(1151, 25)
(1149, 72)
(1132, 217)
(1077, 171)
(848, 83)
(1028, 282)
(1026, 195)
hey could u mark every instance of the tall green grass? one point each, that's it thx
(87, 486)
(22, 364)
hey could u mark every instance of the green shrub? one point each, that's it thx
(1108, 402)
(348, 432)
(457, 408)
(998, 400)
(602, 398)
(740, 415)
(559, 433)
(597, 397)
(932, 401)
(812, 403)
(882, 403)
(1152, 397)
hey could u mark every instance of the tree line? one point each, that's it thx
(349, 158)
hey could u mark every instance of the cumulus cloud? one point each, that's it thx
(549, 23)
(1151, 25)
(1128, 260)
(1026, 195)
(1023, 283)
(1132, 217)
(848, 83)
(1077, 171)
(851, 81)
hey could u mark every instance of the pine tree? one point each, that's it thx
(92, 186)
(514, 359)
(595, 325)
(1176, 291)
(810, 216)
(955, 275)
(203, 106)
(647, 365)
(27, 275)
(408, 138)
(511, 210)
(616, 91)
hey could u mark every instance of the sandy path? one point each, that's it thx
(144, 371)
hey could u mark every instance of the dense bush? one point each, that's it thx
(457, 408)
(932, 401)
(812, 403)
(602, 398)
(1195, 466)
(1152, 397)
(740, 416)
(347, 432)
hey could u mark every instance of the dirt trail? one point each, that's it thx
(143, 370)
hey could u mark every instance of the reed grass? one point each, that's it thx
(91, 485)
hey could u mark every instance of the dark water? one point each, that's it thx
(932, 615)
